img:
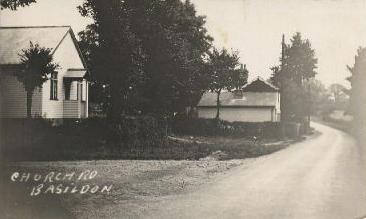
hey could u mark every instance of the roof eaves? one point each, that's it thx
(237, 106)
(78, 50)
(22, 27)
(59, 43)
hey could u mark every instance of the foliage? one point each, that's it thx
(239, 77)
(358, 90)
(14, 4)
(148, 56)
(80, 139)
(300, 59)
(298, 64)
(339, 95)
(210, 127)
(321, 103)
(224, 73)
(112, 49)
(275, 79)
(36, 66)
(86, 140)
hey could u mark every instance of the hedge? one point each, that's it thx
(38, 139)
(214, 127)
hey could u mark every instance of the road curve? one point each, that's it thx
(323, 177)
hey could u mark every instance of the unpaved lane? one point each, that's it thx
(320, 178)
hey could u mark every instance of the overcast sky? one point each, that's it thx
(336, 28)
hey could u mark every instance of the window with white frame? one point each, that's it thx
(83, 90)
(53, 88)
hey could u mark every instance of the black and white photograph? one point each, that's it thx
(252, 109)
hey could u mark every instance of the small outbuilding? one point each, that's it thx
(258, 101)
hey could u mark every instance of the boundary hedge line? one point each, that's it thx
(38, 139)
(214, 127)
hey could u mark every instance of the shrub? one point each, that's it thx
(92, 138)
(213, 127)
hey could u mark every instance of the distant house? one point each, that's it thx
(258, 101)
(64, 94)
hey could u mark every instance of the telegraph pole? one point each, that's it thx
(283, 46)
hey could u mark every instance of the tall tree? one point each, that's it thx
(114, 49)
(224, 73)
(37, 65)
(175, 41)
(169, 42)
(358, 91)
(14, 4)
(298, 64)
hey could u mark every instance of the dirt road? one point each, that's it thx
(323, 177)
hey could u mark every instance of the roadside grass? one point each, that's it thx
(133, 138)
(135, 183)
(171, 148)
(140, 173)
(224, 148)
(336, 120)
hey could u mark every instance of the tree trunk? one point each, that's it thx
(218, 105)
(29, 104)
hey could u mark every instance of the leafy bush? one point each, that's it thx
(91, 138)
(213, 127)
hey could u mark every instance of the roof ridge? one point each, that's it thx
(259, 78)
(20, 27)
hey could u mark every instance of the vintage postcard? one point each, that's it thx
(250, 109)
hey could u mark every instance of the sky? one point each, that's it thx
(336, 28)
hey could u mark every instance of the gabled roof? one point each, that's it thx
(259, 85)
(14, 39)
(258, 93)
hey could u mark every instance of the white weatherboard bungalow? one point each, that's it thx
(258, 101)
(64, 94)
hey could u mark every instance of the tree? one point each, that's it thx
(298, 64)
(113, 49)
(224, 74)
(167, 42)
(358, 90)
(320, 97)
(239, 77)
(275, 79)
(36, 65)
(339, 95)
(175, 42)
(14, 4)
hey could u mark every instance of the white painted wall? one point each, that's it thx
(13, 98)
(67, 57)
(238, 114)
(13, 95)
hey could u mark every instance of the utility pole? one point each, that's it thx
(282, 107)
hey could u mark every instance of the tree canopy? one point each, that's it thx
(298, 64)
(37, 65)
(358, 90)
(147, 54)
(14, 4)
(225, 73)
